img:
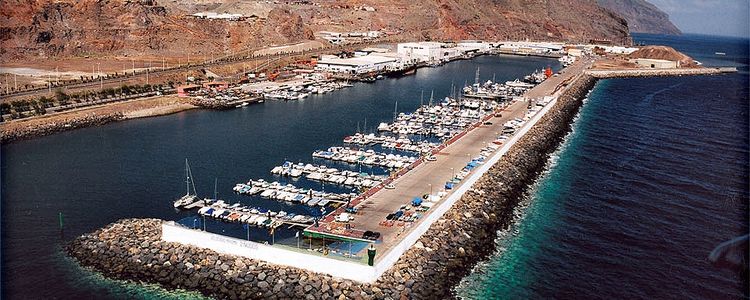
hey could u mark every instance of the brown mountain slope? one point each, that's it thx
(642, 16)
(663, 52)
(31, 28)
(49, 28)
(569, 20)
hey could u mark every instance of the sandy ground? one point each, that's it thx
(613, 64)
(147, 107)
(305, 46)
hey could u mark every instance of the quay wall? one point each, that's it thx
(133, 249)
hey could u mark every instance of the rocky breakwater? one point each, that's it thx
(132, 249)
(16, 131)
(605, 74)
(466, 233)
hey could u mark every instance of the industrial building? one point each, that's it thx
(656, 63)
(355, 65)
(428, 51)
(530, 47)
(217, 16)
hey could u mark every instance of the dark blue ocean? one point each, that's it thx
(134, 169)
(652, 177)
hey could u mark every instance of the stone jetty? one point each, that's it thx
(43, 129)
(132, 249)
(604, 74)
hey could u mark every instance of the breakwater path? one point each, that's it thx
(131, 249)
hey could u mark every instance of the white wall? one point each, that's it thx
(172, 232)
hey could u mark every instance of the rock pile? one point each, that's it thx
(132, 249)
(53, 127)
(604, 74)
(211, 103)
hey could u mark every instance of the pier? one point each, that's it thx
(430, 177)
(603, 74)
(395, 211)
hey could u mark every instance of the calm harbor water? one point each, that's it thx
(95, 176)
(653, 176)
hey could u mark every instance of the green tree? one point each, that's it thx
(20, 105)
(39, 110)
(61, 97)
(125, 89)
(45, 102)
(4, 108)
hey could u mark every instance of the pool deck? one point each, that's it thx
(433, 175)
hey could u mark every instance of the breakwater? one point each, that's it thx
(47, 128)
(603, 74)
(132, 249)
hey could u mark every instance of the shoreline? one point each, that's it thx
(24, 129)
(39, 130)
(427, 270)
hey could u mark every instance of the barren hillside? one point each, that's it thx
(90, 27)
(65, 28)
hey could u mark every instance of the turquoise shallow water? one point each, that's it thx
(83, 279)
(652, 177)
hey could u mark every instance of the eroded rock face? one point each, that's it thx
(63, 28)
(642, 16)
(132, 249)
(44, 28)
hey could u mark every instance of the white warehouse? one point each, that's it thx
(425, 51)
(354, 65)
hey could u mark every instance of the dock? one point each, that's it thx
(430, 177)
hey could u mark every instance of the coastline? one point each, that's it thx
(22, 129)
(441, 257)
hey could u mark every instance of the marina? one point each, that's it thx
(215, 149)
(394, 212)
(455, 134)
(317, 121)
(289, 193)
(326, 174)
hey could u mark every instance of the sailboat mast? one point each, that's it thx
(187, 178)
(192, 181)
(421, 96)
(395, 112)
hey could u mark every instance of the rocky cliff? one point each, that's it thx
(59, 28)
(564, 20)
(642, 16)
